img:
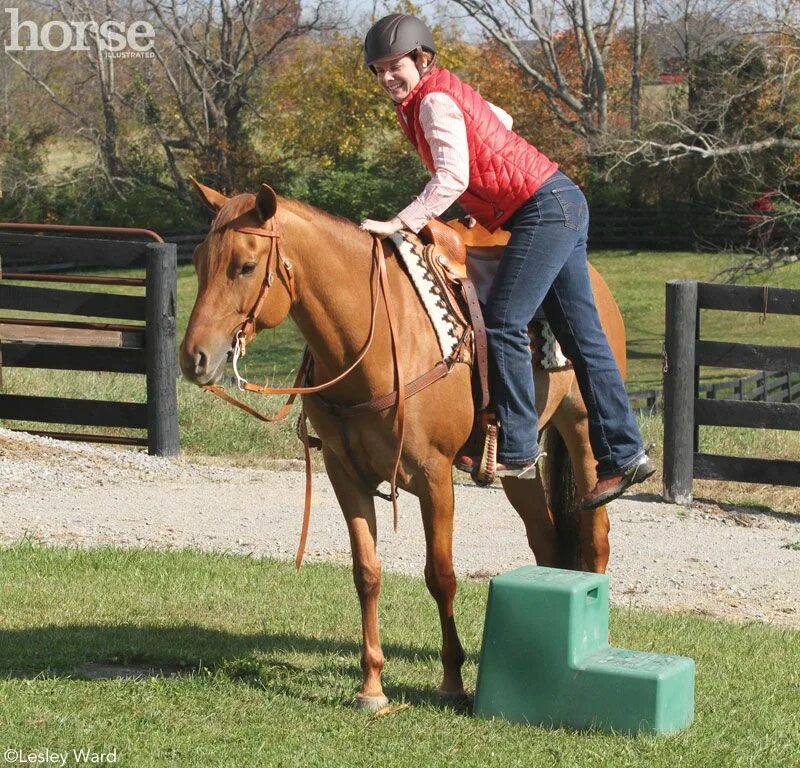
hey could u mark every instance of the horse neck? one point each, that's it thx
(336, 280)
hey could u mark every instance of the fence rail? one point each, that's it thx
(682, 228)
(689, 227)
(684, 408)
(769, 386)
(144, 344)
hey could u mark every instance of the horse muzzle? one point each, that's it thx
(202, 366)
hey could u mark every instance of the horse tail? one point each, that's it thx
(562, 498)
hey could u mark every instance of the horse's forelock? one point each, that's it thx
(232, 215)
(237, 207)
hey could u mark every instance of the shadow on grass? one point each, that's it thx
(309, 668)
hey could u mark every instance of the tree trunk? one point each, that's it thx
(636, 68)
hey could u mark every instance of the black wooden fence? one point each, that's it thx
(688, 227)
(764, 386)
(630, 228)
(143, 344)
(685, 411)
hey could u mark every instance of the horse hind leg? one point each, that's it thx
(436, 505)
(358, 507)
(530, 502)
(593, 525)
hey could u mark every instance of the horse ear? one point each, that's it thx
(266, 202)
(213, 199)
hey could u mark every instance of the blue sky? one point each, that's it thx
(358, 13)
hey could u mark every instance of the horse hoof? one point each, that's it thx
(460, 701)
(371, 703)
(482, 481)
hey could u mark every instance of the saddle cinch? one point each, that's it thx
(463, 262)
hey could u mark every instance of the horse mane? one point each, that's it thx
(317, 216)
(241, 204)
(341, 234)
(240, 211)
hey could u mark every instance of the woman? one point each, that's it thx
(502, 180)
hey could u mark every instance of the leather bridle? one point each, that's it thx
(396, 398)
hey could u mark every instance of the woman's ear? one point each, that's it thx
(424, 61)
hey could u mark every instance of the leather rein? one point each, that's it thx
(397, 397)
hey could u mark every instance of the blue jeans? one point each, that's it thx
(545, 265)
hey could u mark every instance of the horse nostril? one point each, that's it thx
(200, 363)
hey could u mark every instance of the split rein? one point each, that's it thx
(397, 397)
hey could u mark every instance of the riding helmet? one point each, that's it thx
(396, 34)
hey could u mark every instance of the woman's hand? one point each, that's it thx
(382, 228)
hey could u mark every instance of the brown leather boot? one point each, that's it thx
(610, 487)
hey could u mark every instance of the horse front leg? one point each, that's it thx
(436, 503)
(359, 512)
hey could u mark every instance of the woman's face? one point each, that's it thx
(398, 76)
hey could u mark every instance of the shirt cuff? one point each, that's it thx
(415, 216)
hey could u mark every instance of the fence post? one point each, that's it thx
(679, 394)
(162, 400)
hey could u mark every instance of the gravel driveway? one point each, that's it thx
(740, 565)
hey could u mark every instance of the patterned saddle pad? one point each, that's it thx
(448, 322)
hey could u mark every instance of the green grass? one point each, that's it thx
(637, 280)
(267, 666)
(66, 154)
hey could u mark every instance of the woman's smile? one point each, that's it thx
(398, 76)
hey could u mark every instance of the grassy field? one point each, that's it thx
(637, 279)
(260, 664)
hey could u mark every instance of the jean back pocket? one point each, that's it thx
(573, 204)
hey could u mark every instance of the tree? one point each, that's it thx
(94, 70)
(217, 52)
(565, 47)
(734, 136)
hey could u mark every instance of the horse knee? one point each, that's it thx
(367, 578)
(441, 582)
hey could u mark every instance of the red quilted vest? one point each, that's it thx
(504, 169)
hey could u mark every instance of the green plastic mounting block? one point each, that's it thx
(546, 660)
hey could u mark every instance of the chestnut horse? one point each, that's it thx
(325, 279)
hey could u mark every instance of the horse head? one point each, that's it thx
(237, 294)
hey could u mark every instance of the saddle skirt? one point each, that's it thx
(435, 268)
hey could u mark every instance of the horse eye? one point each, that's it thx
(248, 268)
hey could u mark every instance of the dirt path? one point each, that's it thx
(732, 564)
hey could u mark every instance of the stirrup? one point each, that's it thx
(485, 473)
(523, 472)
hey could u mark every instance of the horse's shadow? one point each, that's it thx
(315, 669)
